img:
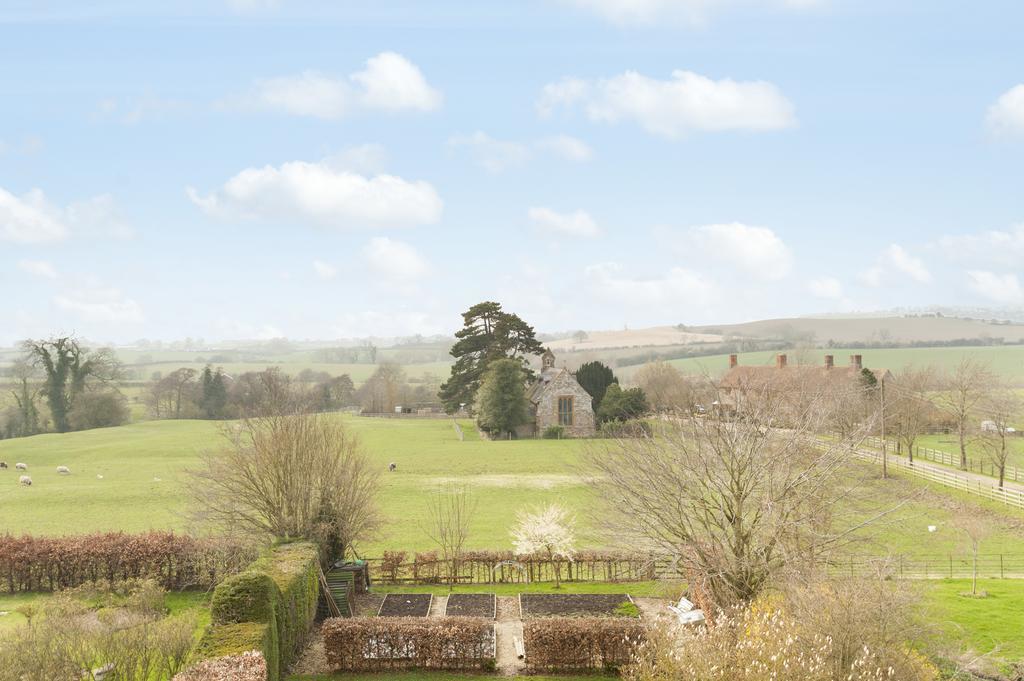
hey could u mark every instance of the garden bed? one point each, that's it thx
(573, 605)
(472, 605)
(405, 605)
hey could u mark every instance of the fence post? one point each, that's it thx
(951, 566)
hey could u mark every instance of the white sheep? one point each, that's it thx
(25, 480)
(21, 466)
(63, 470)
(99, 477)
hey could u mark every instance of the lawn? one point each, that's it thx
(989, 625)
(653, 589)
(950, 443)
(144, 485)
(433, 676)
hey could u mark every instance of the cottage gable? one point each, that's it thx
(557, 399)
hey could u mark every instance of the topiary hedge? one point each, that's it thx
(270, 607)
(581, 644)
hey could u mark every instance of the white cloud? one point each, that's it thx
(678, 286)
(1006, 115)
(1003, 288)
(896, 259)
(825, 287)
(577, 223)
(569, 148)
(996, 246)
(324, 270)
(396, 260)
(38, 268)
(757, 250)
(323, 194)
(491, 154)
(101, 305)
(647, 12)
(389, 83)
(33, 219)
(688, 102)
(30, 219)
(495, 156)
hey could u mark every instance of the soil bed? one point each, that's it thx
(571, 605)
(472, 605)
(405, 605)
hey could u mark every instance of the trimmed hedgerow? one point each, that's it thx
(575, 644)
(246, 666)
(270, 607)
(384, 643)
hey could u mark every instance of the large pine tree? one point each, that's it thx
(488, 334)
(595, 377)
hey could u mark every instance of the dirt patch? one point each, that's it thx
(572, 605)
(313, 659)
(509, 480)
(368, 605)
(405, 605)
(472, 605)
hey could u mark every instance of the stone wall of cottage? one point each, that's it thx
(564, 385)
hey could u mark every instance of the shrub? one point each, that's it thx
(554, 433)
(571, 644)
(99, 410)
(380, 643)
(620, 429)
(270, 607)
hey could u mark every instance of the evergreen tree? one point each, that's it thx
(488, 334)
(622, 405)
(502, 405)
(595, 377)
(214, 395)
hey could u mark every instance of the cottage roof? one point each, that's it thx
(781, 375)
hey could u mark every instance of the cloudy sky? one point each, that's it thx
(256, 168)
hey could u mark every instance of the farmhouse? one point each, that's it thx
(741, 383)
(557, 399)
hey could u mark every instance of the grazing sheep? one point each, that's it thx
(25, 480)
(63, 470)
(155, 479)
(21, 466)
(99, 477)
(392, 466)
(3, 464)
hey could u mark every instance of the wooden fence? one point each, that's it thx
(958, 566)
(1013, 474)
(953, 479)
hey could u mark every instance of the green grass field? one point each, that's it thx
(1007, 361)
(144, 485)
(949, 443)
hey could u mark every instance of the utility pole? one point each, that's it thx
(885, 453)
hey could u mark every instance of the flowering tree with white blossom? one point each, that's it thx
(550, 531)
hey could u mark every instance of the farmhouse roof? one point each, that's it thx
(782, 374)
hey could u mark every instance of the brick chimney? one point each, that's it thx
(856, 362)
(830, 361)
(733, 361)
(780, 361)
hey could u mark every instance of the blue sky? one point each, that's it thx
(256, 168)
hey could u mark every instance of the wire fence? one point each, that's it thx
(938, 566)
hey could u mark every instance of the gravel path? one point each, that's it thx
(437, 606)
(508, 627)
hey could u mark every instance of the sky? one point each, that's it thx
(264, 168)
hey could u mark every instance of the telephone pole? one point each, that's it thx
(885, 453)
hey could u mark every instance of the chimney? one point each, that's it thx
(780, 361)
(856, 362)
(830, 361)
(733, 361)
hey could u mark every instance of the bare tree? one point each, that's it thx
(449, 513)
(665, 387)
(550, 531)
(290, 476)
(736, 502)
(962, 391)
(1000, 409)
(976, 529)
(910, 407)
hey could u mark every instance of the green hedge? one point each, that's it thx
(270, 607)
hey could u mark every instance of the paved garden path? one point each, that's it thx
(508, 627)
(437, 606)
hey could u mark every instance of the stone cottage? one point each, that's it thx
(556, 399)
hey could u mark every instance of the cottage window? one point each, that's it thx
(565, 411)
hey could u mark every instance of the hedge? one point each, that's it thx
(492, 567)
(270, 607)
(176, 561)
(580, 644)
(387, 643)
(246, 666)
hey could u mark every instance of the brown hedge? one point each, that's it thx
(384, 643)
(574, 644)
(248, 666)
(490, 567)
(176, 561)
